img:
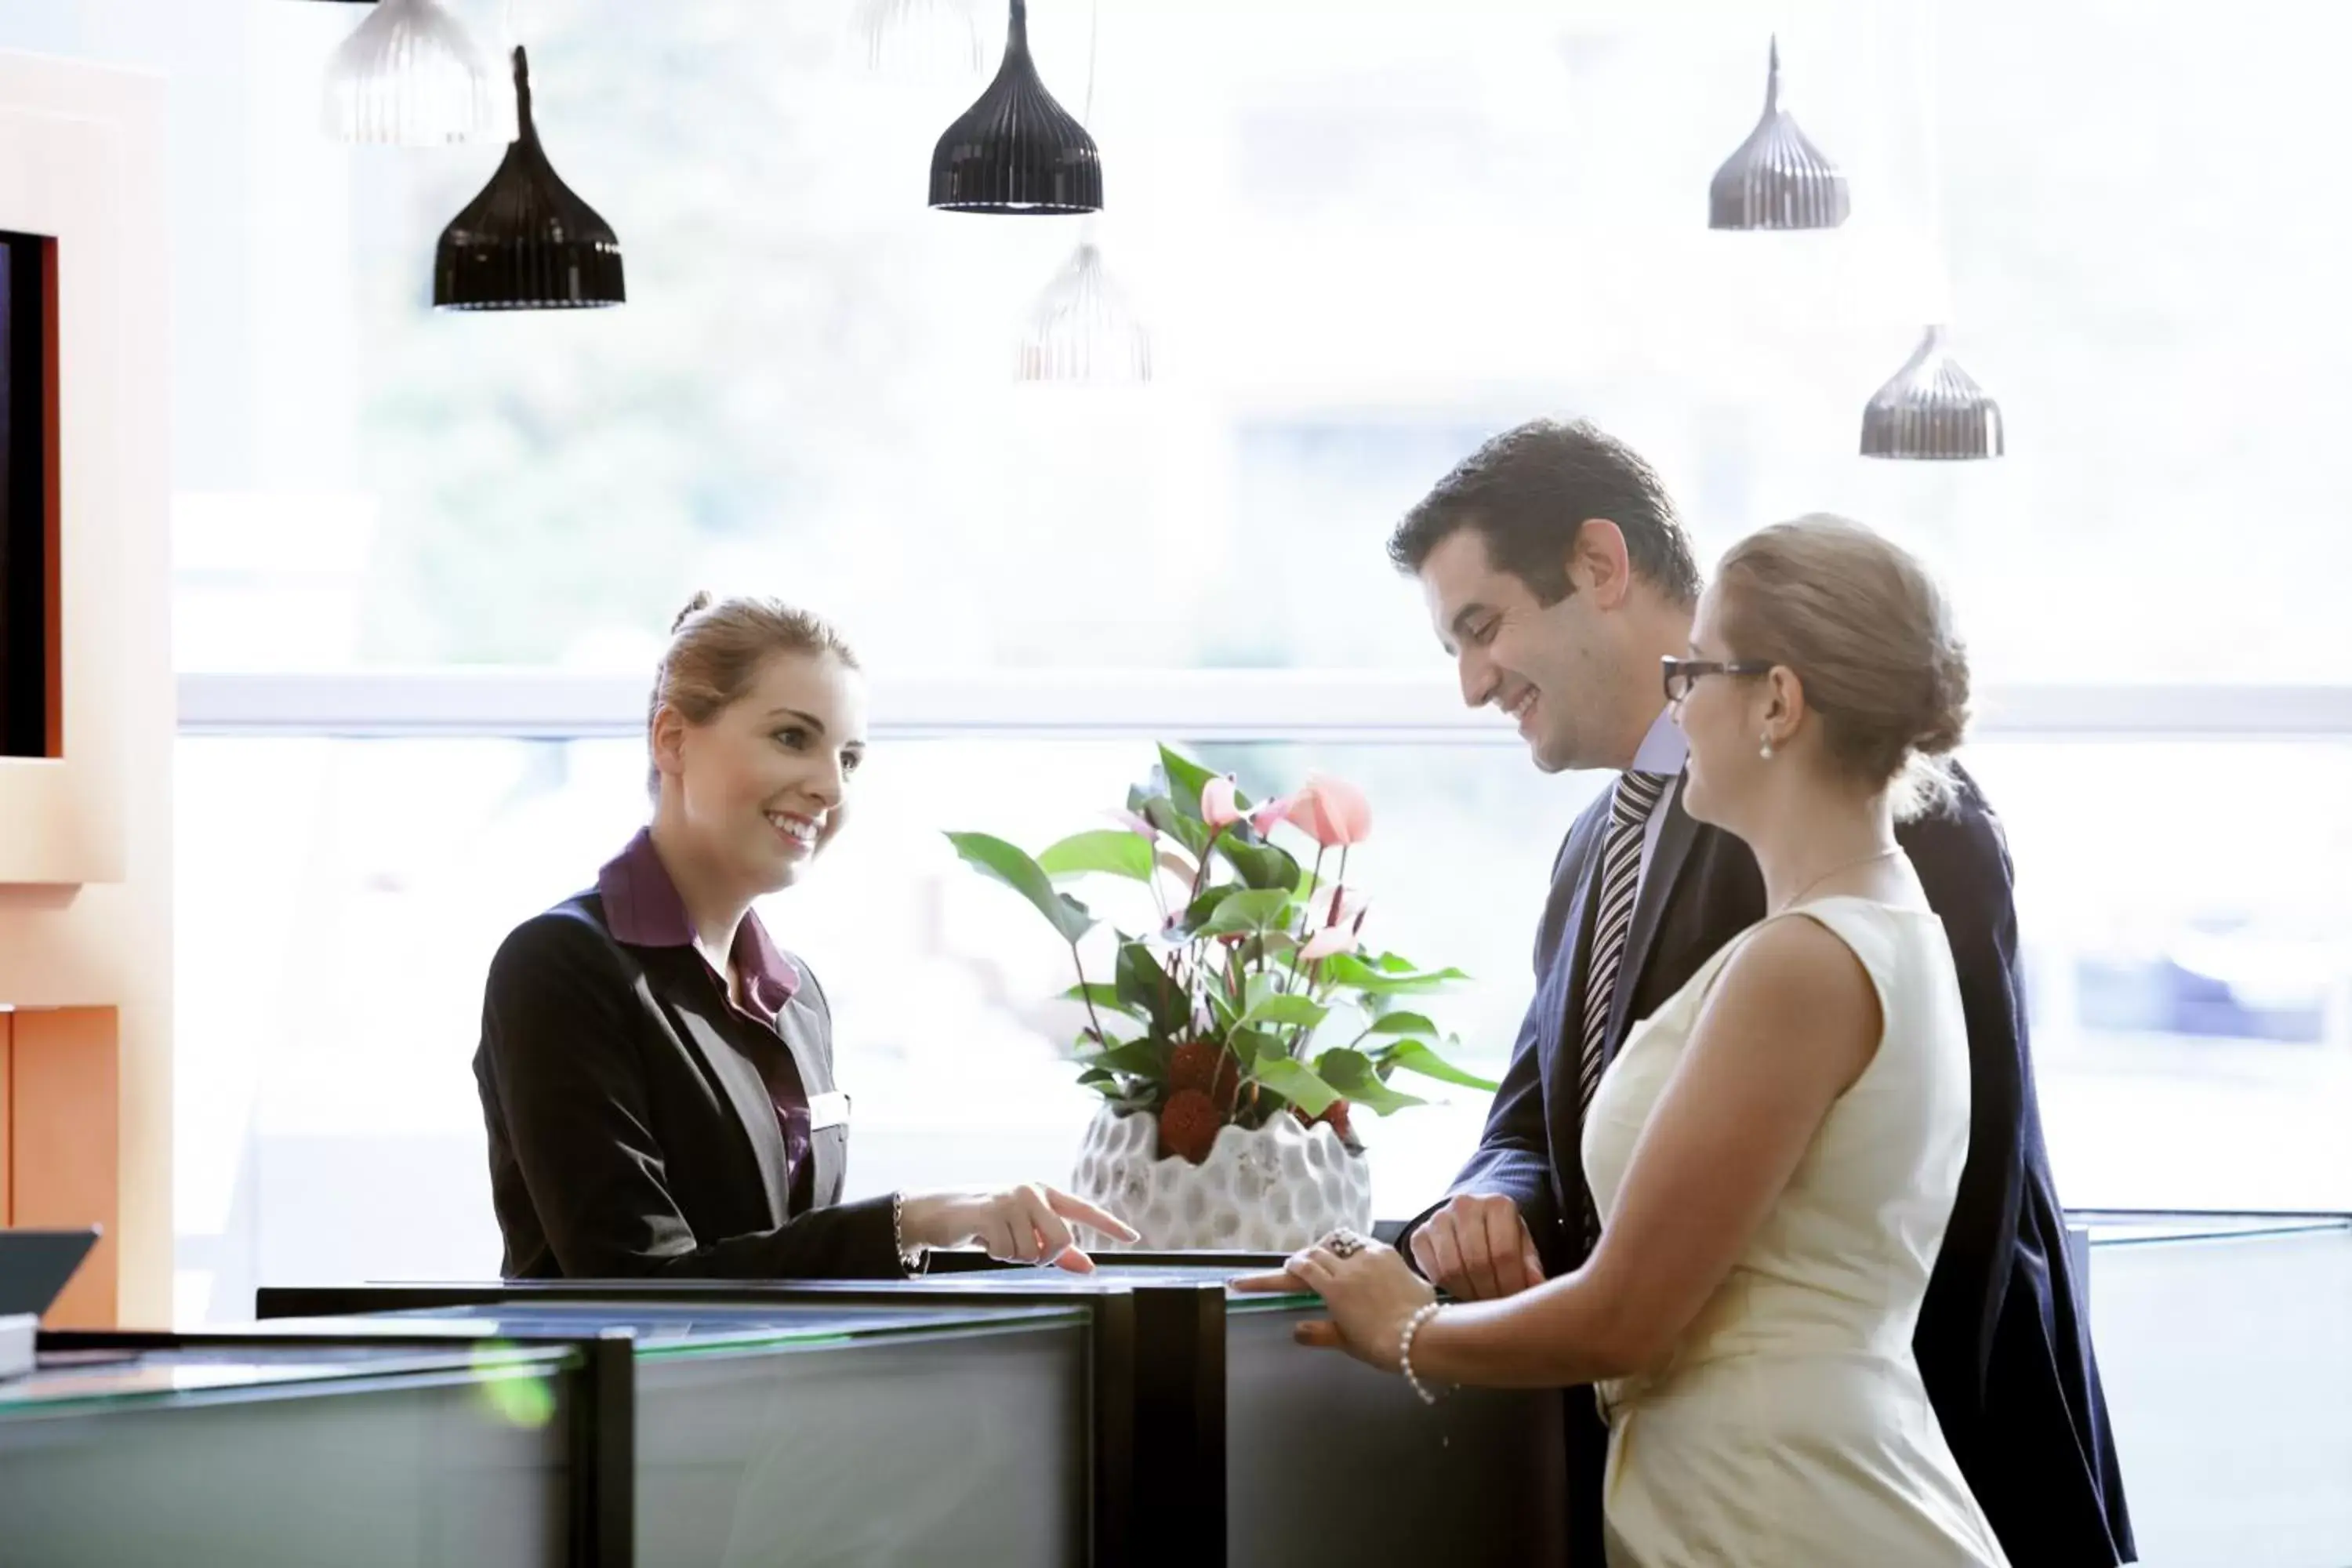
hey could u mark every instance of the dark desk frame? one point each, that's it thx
(600, 1439)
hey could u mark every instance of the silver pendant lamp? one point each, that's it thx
(409, 74)
(1778, 179)
(1931, 410)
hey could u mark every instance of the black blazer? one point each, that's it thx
(630, 1136)
(2003, 1342)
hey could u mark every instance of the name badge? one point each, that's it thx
(830, 1109)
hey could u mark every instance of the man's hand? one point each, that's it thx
(1478, 1248)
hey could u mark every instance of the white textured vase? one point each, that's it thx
(1269, 1189)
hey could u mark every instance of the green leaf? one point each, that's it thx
(1139, 1058)
(1106, 997)
(1117, 1028)
(1198, 913)
(1401, 1024)
(1010, 865)
(1254, 910)
(1255, 1045)
(1268, 946)
(1111, 849)
(1352, 1074)
(1287, 1012)
(1346, 969)
(1161, 813)
(1185, 778)
(1259, 864)
(1296, 1083)
(1258, 989)
(1096, 1078)
(1421, 1056)
(1146, 990)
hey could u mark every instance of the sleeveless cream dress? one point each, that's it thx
(1790, 1426)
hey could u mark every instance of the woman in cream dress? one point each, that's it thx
(1775, 1152)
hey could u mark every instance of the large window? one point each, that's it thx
(424, 562)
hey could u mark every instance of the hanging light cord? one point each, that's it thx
(1094, 28)
(1930, 142)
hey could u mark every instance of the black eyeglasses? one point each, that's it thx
(1682, 674)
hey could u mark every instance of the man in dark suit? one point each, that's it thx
(1558, 575)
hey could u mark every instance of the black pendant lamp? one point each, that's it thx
(1932, 410)
(1015, 150)
(526, 242)
(1778, 179)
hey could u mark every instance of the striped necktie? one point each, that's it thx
(1637, 797)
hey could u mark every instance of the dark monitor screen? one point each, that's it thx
(34, 1266)
(28, 632)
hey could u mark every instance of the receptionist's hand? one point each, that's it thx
(1020, 1225)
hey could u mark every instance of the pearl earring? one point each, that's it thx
(1767, 750)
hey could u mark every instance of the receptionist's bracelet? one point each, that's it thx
(912, 1259)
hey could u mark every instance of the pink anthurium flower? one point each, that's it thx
(1217, 807)
(1345, 905)
(1133, 824)
(1266, 815)
(1328, 941)
(1332, 812)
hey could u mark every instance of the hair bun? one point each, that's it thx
(1944, 717)
(701, 601)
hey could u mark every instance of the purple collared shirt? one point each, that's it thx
(642, 908)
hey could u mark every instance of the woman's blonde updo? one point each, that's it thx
(1867, 631)
(717, 650)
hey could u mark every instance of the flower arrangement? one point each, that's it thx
(1253, 997)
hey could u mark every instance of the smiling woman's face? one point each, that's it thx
(1721, 716)
(764, 785)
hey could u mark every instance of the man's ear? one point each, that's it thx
(1599, 563)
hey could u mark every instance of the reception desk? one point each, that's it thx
(210, 1452)
(1211, 1436)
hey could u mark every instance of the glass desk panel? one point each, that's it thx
(1330, 1461)
(255, 1458)
(789, 1433)
(2226, 1352)
(1326, 1460)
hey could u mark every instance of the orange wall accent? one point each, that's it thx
(86, 833)
(66, 1161)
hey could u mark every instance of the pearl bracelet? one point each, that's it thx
(1404, 1350)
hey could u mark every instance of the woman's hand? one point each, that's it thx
(1020, 1225)
(1370, 1289)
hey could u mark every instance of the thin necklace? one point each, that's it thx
(1850, 865)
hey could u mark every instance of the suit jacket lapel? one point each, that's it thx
(825, 1153)
(1674, 840)
(755, 1110)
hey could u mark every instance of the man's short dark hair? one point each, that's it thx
(1529, 490)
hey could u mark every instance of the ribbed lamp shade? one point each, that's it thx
(409, 74)
(1015, 150)
(526, 243)
(1778, 179)
(1082, 329)
(1932, 410)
